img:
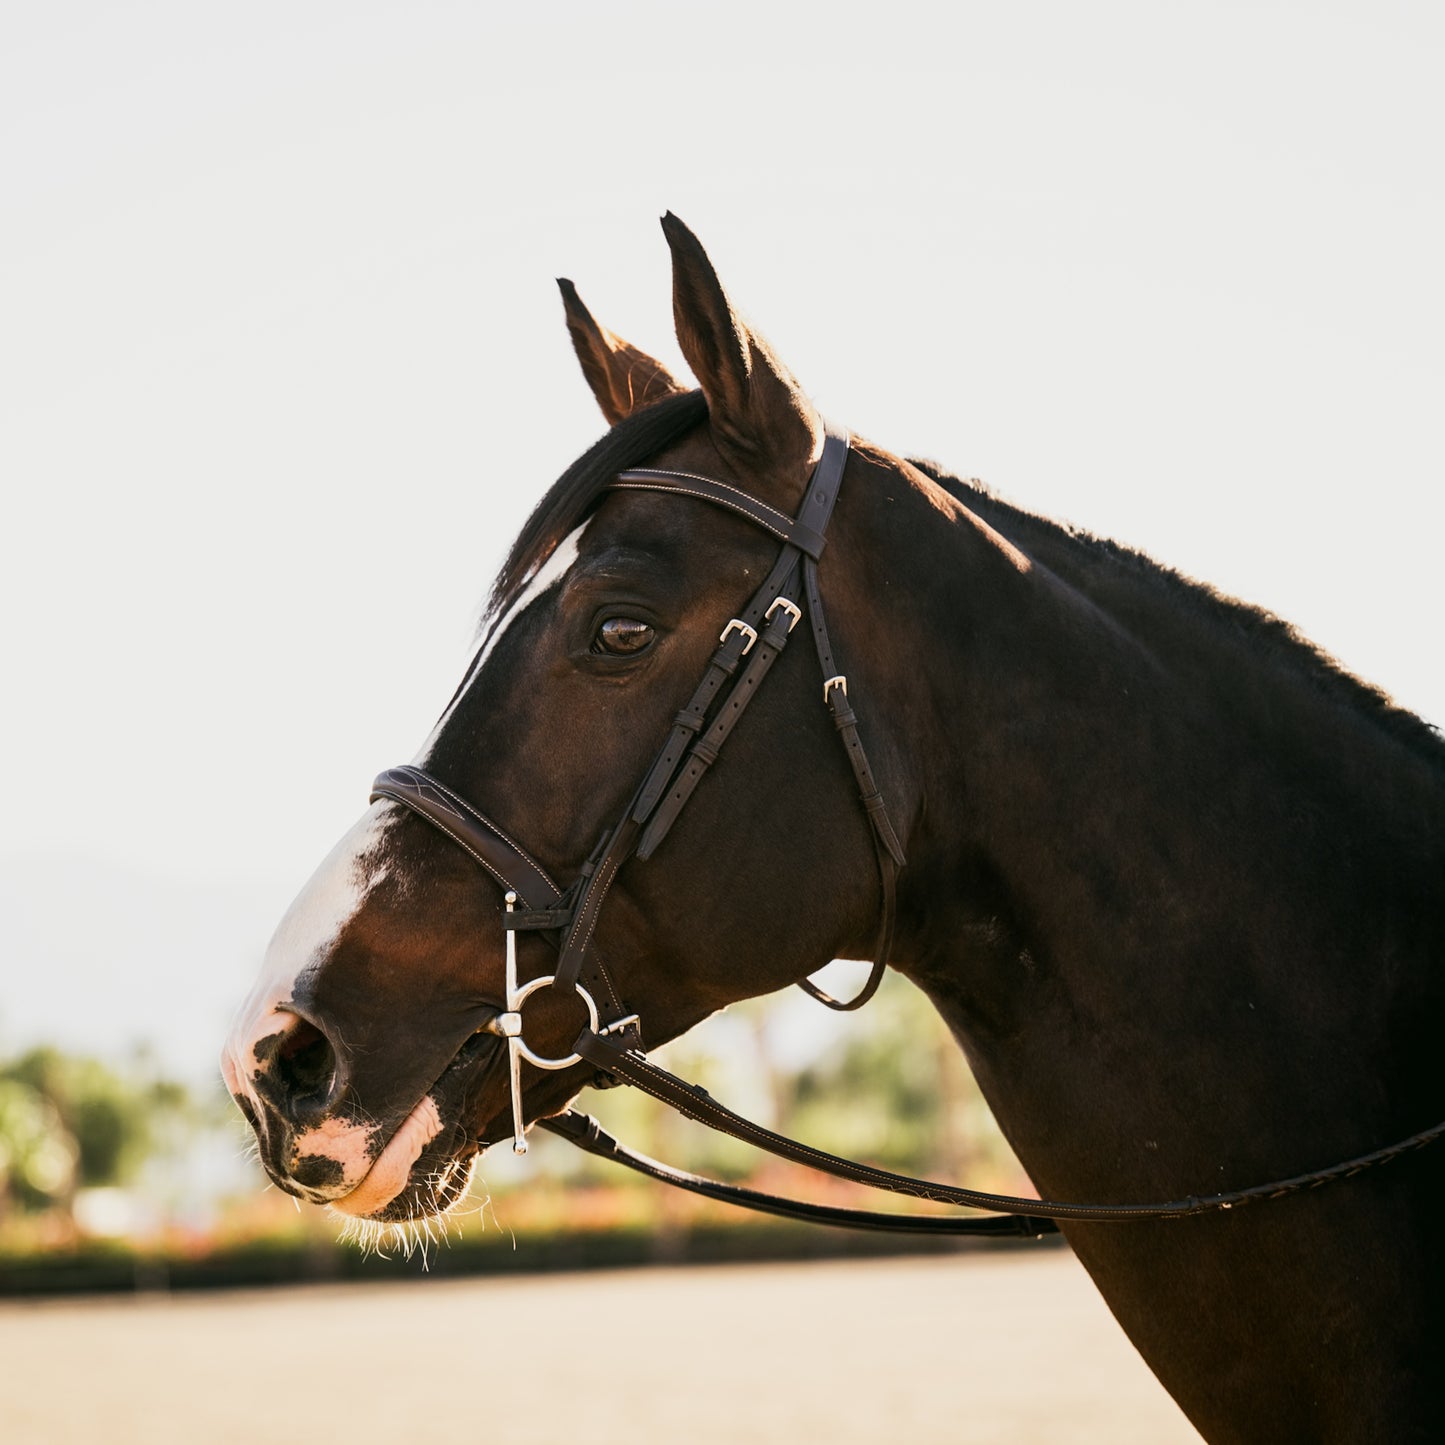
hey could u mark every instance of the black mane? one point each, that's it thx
(567, 501)
(1281, 638)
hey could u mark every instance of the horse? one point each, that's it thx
(1174, 880)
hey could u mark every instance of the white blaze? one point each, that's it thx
(547, 576)
(305, 935)
(308, 933)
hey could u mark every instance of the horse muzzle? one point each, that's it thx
(318, 1143)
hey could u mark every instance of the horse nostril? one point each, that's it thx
(305, 1064)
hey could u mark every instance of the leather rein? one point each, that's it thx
(747, 649)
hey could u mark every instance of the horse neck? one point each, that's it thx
(1147, 846)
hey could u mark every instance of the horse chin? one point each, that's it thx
(428, 1192)
(426, 1166)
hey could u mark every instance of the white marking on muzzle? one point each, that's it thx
(388, 1176)
(309, 931)
(303, 940)
(342, 1141)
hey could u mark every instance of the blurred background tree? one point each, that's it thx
(38, 1154)
(69, 1123)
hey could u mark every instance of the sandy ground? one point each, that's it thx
(980, 1348)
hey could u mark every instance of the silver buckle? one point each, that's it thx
(737, 624)
(832, 682)
(790, 607)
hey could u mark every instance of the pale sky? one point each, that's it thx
(282, 366)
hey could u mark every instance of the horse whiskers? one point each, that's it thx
(378, 1237)
(428, 1227)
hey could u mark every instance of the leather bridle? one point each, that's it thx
(749, 646)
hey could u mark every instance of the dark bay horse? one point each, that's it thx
(1175, 881)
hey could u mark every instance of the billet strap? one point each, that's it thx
(588, 1135)
(768, 647)
(734, 644)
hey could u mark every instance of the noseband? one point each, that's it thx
(748, 647)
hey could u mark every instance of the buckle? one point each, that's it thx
(617, 1025)
(832, 682)
(789, 606)
(738, 625)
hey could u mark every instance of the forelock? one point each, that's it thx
(634, 440)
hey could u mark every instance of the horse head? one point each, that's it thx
(363, 1058)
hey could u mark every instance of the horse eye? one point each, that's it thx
(622, 636)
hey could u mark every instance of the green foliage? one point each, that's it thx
(879, 1095)
(68, 1122)
(37, 1154)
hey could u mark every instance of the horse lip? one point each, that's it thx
(391, 1172)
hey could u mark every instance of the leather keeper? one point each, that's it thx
(521, 921)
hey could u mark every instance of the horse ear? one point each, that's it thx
(754, 405)
(622, 378)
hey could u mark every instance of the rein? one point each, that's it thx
(747, 649)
